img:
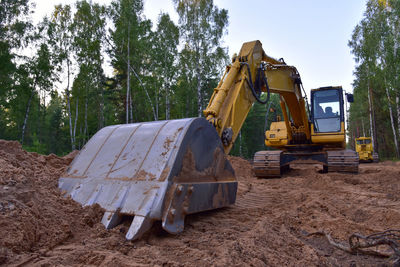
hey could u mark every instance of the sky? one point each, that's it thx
(311, 35)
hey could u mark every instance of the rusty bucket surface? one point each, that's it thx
(160, 170)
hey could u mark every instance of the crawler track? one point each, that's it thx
(342, 161)
(267, 164)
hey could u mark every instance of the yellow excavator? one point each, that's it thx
(165, 170)
(365, 150)
(318, 138)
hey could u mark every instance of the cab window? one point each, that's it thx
(326, 107)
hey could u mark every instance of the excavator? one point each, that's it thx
(365, 150)
(164, 170)
(318, 138)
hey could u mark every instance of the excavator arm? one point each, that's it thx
(251, 73)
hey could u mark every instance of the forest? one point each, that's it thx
(375, 44)
(55, 90)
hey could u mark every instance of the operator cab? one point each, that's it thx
(327, 109)
(327, 116)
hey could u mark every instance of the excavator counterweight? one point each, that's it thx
(152, 171)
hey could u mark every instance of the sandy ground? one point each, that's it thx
(268, 226)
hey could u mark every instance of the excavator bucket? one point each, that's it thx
(152, 171)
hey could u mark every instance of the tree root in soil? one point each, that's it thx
(360, 244)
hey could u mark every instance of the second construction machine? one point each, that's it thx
(365, 149)
(165, 170)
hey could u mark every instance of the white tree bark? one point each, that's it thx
(130, 107)
(128, 82)
(28, 107)
(392, 119)
(71, 133)
(199, 95)
(371, 117)
(101, 104)
(398, 112)
(85, 130)
(167, 107)
(147, 93)
(166, 85)
(76, 119)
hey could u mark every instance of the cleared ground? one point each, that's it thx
(269, 224)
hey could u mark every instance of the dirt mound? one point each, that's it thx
(33, 214)
(268, 225)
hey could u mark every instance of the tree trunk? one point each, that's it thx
(28, 107)
(72, 136)
(167, 107)
(167, 85)
(157, 100)
(398, 112)
(128, 82)
(130, 108)
(392, 119)
(147, 93)
(371, 118)
(199, 95)
(85, 131)
(76, 119)
(101, 119)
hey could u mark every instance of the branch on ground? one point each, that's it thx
(360, 244)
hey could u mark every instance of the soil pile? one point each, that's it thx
(267, 226)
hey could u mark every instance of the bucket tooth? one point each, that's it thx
(139, 226)
(111, 219)
(138, 169)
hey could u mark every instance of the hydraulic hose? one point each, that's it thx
(250, 83)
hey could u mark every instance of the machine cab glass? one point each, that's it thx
(327, 109)
(363, 142)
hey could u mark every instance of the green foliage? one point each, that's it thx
(165, 42)
(59, 97)
(202, 26)
(130, 42)
(375, 45)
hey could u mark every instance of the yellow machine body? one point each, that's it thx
(364, 148)
(277, 135)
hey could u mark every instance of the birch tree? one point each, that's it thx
(164, 59)
(202, 26)
(61, 42)
(41, 69)
(89, 31)
(129, 51)
(15, 28)
(374, 46)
